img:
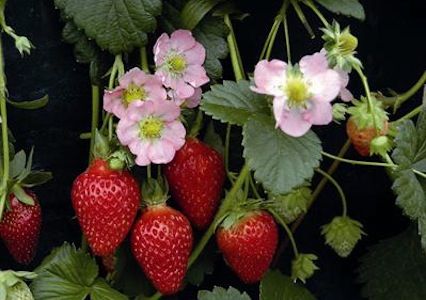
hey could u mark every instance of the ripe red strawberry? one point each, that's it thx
(161, 242)
(106, 202)
(361, 138)
(20, 228)
(196, 176)
(249, 245)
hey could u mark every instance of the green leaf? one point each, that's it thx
(394, 269)
(233, 102)
(66, 274)
(22, 196)
(219, 293)
(194, 11)
(213, 139)
(36, 178)
(350, 8)
(102, 291)
(115, 25)
(231, 9)
(17, 165)
(276, 286)
(280, 162)
(410, 153)
(211, 32)
(32, 104)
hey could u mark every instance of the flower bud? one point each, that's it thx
(380, 145)
(303, 267)
(23, 45)
(292, 205)
(339, 112)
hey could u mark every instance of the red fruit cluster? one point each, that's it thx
(196, 176)
(106, 202)
(249, 245)
(361, 138)
(20, 228)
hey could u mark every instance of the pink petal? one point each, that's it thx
(346, 95)
(174, 133)
(279, 106)
(196, 55)
(325, 86)
(184, 90)
(127, 132)
(195, 99)
(182, 40)
(129, 77)
(161, 49)
(161, 152)
(196, 75)
(269, 77)
(293, 123)
(166, 110)
(314, 64)
(320, 113)
(155, 91)
(140, 148)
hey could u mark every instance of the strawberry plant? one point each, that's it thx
(192, 168)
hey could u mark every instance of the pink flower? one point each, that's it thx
(152, 131)
(190, 102)
(179, 59)
(302, 93)
(134, 87)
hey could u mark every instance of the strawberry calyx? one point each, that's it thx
(363, 117)
(12, 283)
(155, 192)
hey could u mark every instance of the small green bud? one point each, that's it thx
(116, 164)
(380, 145)
(339, 112)
(292, 205)
(363, 117)
(19, 291)
(12, 286)
(342, 234)
(303, 267)
(347, 42)
(23, 45)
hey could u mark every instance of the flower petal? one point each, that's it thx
(314, 64)
(269, 77)
(320, 113)
(182, 40)
(161, 49)
(161, 152)
(174, 133)
(166, 110)
(293, 123)
(325, 86)
(196, 75)
(196, 55)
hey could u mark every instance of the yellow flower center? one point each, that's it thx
(347, 43)
(151, 127)
(176, 64)
(297, 91)
(133, 93)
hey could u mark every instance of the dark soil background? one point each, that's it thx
(392, 47)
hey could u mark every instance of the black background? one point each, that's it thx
(391, 46)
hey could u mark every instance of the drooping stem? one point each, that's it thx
(144, 59)
(359, 162)
(287, 39)
(223, 210)
(313, 7)
(272, 34)
(4, 132)
(288, 231)
(302, 18)
(368, 95)
(227, 143)
(95, 119)
(338, 188)
(148, 171)
(254, 188)
(421, 174)
(234, 52)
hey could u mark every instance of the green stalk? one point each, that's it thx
(290, 235)
(359, 162)
(4, 132)
(313, 7)
(227, 143)
(237, 65)
(302, 18)
(272, 33)
(287, 39)
(144, 60)
(95, 119)
(411, 114)
(338, 188)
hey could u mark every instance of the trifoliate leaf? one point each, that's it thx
(303, 267)
(350, 8)
(290, 206)
(280, 162)
(69, 274)
(219, 293)
(233, 102)
(342, 234)
(276, 286)
(115, 25)
(410, 153)
(394, 269)
(102, 291)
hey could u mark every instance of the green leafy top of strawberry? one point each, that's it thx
(363, 117)
(12, 284)
(155, 191)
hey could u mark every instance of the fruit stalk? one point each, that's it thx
(411, 114)
(359, 162)
(95, 118)
(339, 190)
(144, 60)
(5, 138)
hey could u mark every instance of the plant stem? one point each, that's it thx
(338, 188)
(237, 64)
(421, 174)
(226, 154)
(368, 95)
(411, 114)
(272, 33)
(148, 171)
(313, 7)
(223, 210)
(196, 127)
(287, 39)
(359, 162)
(397, 100)
(287, 230)
(302, 18)
(4, 134)
(95, 119)
(254, 188)
(144, 60)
